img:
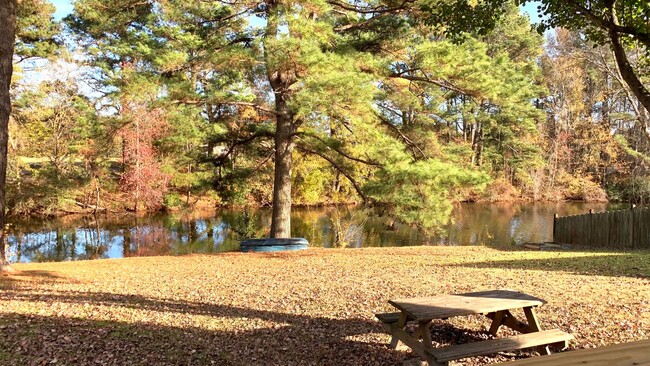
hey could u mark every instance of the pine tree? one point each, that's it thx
(323, 79)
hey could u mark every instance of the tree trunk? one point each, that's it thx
(280, 78)
(624, 67)
(284, 144)
(627, 72)
(7, 40)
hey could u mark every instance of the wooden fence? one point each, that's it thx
(613, 229)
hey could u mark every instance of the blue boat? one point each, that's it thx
(273, 244)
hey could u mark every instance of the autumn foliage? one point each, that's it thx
(142, 178)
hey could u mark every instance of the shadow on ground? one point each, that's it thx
(30, 339)
(292, 340)
(633, 264)
(23, 277)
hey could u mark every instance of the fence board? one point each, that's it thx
(622, 229)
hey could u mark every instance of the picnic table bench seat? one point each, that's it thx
(388, 317)
(491, 346)
(553, 337)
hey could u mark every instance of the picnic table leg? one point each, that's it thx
(424, 332)
(534, 326)
(497, 320)
(401, 324)
(509, 321)
(394, 341)
(533, 322)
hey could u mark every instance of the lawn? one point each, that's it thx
(303, 308)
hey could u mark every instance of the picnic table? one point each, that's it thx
(624, 354)
(495, 304)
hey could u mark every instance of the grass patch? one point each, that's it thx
(305, 308)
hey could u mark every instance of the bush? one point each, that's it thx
(581, 189)
(172, 200)
(636, 189)
(500, 190)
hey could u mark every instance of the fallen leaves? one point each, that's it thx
(308, 308)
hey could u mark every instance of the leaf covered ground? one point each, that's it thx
(313, 307)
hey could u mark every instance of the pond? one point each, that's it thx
(116, 236)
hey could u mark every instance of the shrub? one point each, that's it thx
(581, 189)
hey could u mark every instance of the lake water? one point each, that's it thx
(117, 236)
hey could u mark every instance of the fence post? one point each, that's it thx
(555, 216)
(633, 222)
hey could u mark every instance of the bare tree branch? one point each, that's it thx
(339, 151)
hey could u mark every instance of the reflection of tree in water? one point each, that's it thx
(94, 246)
(91, 237)
(48, 244)
(347, 226)
(146, 240)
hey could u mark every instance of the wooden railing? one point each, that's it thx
(613, 229)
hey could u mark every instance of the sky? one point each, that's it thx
(531, 9)
(64, 7)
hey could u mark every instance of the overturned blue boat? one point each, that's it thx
(273, 244)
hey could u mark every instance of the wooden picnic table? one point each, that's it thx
(624, 354)
(495, 304)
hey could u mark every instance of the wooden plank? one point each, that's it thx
(613, 232)
(388, 317)
(638, 229)
(594, 237)
(497, 320)
(533, 322)
(642, 240)
(390, 328)
(564, 234)
(617, 229)
(558, 235)
(629, 243)
(625, 354)
(643, 229)
(592, 229)
(604, 224)
(646, 228)
(406, 338)
(446, 306)
(620, 215)
(417, 347)
(535, 326)
(511, 322)
(626, 229)
(585, 229)
(491, 346)
(403, 318)
(588, 233)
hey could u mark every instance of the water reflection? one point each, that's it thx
(77, 238)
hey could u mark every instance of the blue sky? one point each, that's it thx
(64, 7)
(531, 10)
